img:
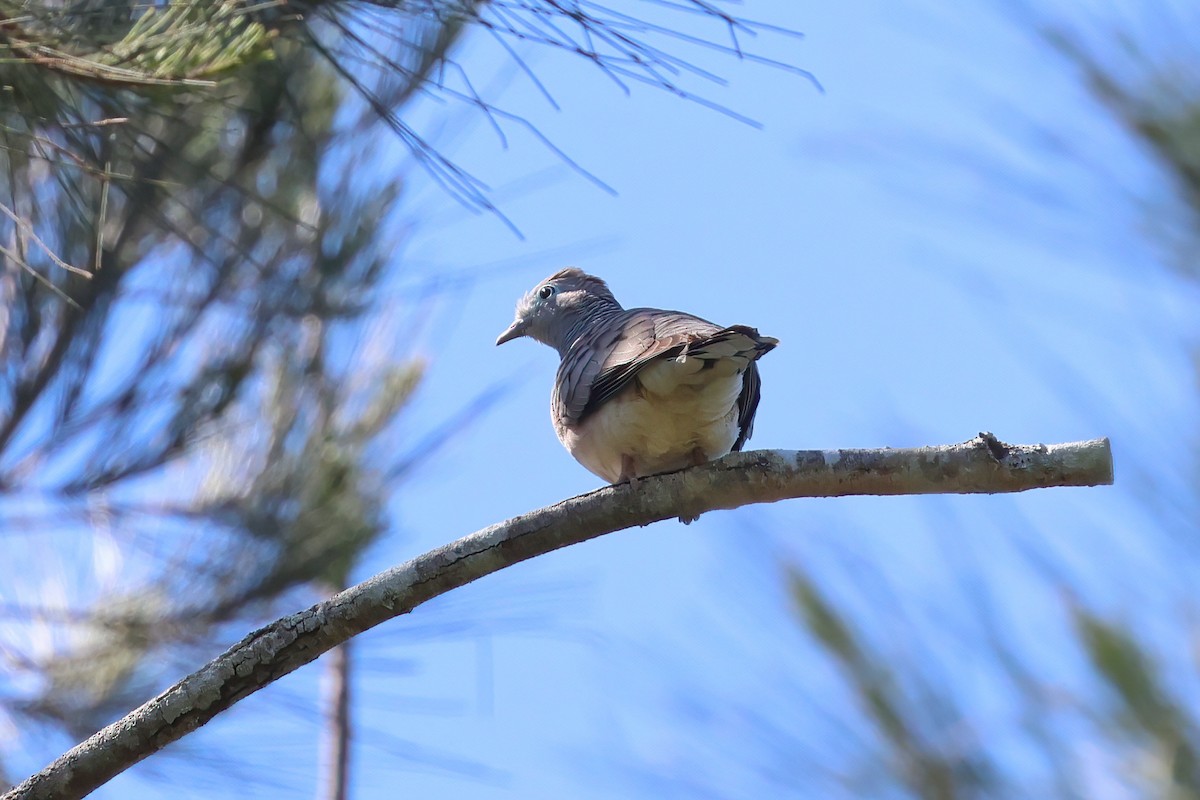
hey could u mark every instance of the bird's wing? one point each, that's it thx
(608, 357)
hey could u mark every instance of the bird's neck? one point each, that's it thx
(600, 311)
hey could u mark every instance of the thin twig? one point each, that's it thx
(27, 229)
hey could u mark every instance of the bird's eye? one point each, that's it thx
(545, 292)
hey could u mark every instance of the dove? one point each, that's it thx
(640, 391)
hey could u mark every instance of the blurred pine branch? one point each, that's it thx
(147, 45)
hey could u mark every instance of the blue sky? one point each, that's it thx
(950, 238)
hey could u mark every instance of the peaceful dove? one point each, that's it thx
(640, 391)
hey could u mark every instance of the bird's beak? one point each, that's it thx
(514, 331)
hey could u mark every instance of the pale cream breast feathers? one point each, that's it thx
(673, 409)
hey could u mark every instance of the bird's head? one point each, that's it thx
(555, 310)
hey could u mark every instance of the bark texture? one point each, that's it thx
(979, 466)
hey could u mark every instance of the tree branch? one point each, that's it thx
(981, 465)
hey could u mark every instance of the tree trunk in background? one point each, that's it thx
(338, 726)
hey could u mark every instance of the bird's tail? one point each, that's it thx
(737, 342)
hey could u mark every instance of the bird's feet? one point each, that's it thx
(628, 472)
(629, 475)
(697, 457)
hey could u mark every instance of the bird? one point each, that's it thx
(640, 391)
